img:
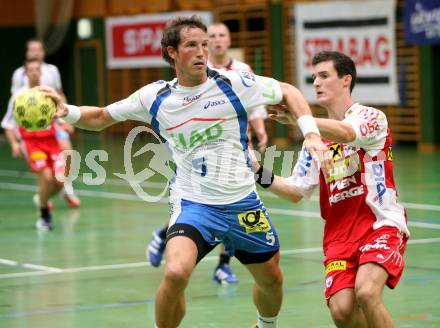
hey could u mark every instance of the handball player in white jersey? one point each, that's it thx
(366, 229)
(219, 41)
(202, 115)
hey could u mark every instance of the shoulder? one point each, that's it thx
(150, 92)
(239, 65)
(49, 67)
(236, 78)
(365, 112)
(18, 71)
(154, 88)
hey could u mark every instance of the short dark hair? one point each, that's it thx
(343, 64)
(171, 34)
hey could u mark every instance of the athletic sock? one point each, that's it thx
(224, 259)
(45, 214)
(266, 322)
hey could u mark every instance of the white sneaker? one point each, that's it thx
(43, 225)
(36, 201)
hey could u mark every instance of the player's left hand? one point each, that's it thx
(280, 113)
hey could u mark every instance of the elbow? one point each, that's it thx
(295, 198)
(350, 135)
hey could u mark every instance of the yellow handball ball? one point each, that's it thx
(33, 110)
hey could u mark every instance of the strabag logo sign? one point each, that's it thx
(135, 41)
(363, 30)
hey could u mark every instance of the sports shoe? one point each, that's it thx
(223, 275)
(36, 201)
(71, 199)
(156, 248)
(43, 224)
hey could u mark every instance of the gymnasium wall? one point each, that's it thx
(260, 28)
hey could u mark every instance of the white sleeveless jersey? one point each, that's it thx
(205, 128)
(50, 76)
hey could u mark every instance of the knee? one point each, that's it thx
(341, 313)
(367, 294)
(272, 282)
(176, 276)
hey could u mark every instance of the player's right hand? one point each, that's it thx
(280, 113)
(56, 97)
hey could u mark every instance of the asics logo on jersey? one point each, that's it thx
(214, 103)
(190, 99)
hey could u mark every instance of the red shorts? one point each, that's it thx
(42, 153)
(384, 246)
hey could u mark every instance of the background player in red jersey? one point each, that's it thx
(40, 149)
(365, 228)
(51, 77)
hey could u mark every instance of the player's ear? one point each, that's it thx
(172, 52)
(347, 80)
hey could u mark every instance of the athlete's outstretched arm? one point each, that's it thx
(89, 117)
(335, 130)
(295, 101)
(299, 109)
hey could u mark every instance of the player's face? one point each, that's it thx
(191, 56)
(219, 40)
(35, 50)
(328, 86)
(33, 72)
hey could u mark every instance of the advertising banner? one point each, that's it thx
(134, 41)
(363, 30)
(422, 21)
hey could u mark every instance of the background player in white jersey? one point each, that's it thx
(202, 115)
(219, 41)
(50, 76)
(365, 228)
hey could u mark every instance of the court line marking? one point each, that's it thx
(119, 182)
(142, 264)
(122, 196)
(30, 266)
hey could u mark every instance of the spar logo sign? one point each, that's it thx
(135, 41)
